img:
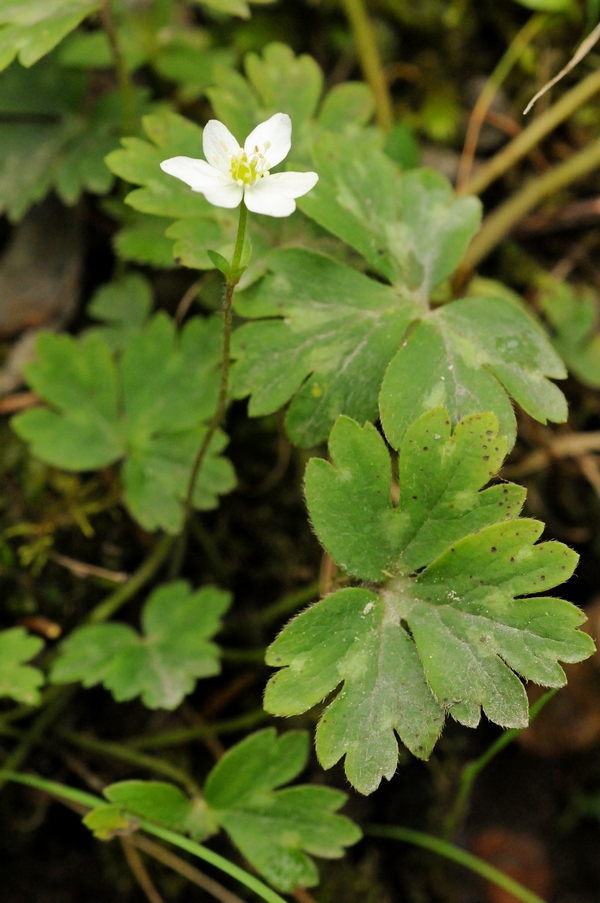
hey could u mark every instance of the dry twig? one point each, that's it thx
(81, 569)
(183, 868)
(139, 872)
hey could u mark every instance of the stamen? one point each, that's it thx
(247, 169)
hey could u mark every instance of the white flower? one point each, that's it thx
(231, 172)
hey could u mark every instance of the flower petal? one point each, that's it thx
(224, 194)
(195, 173)
(270, 204)
(209, 181)
(274, 195)
(291, 184)
(276, 132)
(219, 144)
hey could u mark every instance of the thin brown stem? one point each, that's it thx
(533, 134)
(303, 896)
(138, 870)
(184, 869)
(175, 863)
(190, 295)
(503, 220)
(127, 754)
(82, 569)
(490, 89)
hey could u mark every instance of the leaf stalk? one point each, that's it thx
(533, 134)
(472, 769)
(456, 854)
(513, 53)
(62, 792)
(370, 61)
(503, 220)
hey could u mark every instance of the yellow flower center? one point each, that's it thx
(246, 169)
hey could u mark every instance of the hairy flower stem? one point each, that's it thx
(231, 280)
(125, 86)
(370, 62)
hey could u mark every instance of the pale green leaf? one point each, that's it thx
(549, 6)
(573, 316)
(465, 355)
(285, 83)
(142, 239)
(330, 338)
(409, 228)
(164, 663)
(78, 379)
(46, 141)
(355, 518)
(148, 408)
(19, 681)
(165, 804)
(228, 7)
(277, 830)
(351, 103)
(30, 29)
(123, 306)
(453, 638)
(337, 332)
(107, 822)
(189, 61)
(348, 639)
(235, 102)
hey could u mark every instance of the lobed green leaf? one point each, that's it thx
(19, 681)
(164, 663)
(572, 314)
(46, 142)
(338, 329)
(331, 339)
(409, 228)
(148, 408)
(443, 627)
(277, 830)
(123, 306)
(32, 28)
(467, 355)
